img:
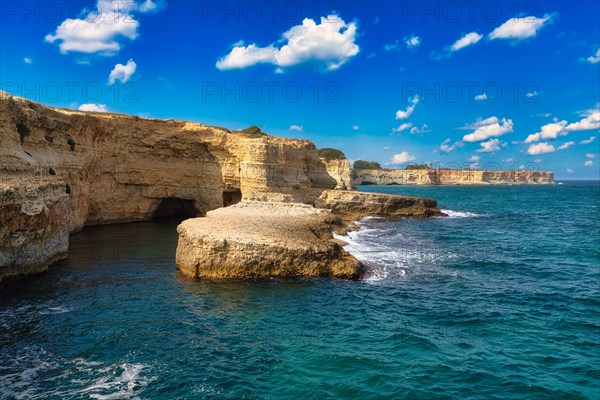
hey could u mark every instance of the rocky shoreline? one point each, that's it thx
(259, 239)
(63, 170)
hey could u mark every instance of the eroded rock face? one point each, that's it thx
(448, 177)
(351, 205)
(121, 168)
(258, 239)
(341, 172)
(34, 224)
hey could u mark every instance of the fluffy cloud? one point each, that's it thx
(402, 158)
(588, 163)
(548, 131)
(98, 30)
(487, 128)
(355, 127)
(412, 42)
(570, 171)
(27, 60)
(122, 72)
(595, 58)
(592, 121)
(474, 165)
(590, 155)
(489, 146)
(93, 107)
(481, 97)
(562, 128)
(416, 130)
(566, 145)
(330, 42)
(540, 148)
(467, 40)
(403, 114)
(446, 147)
(520, 28)
(474, 158)
(297, 128)
(588, 141)
(402, 127)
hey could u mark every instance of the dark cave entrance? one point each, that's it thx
(175, 208)
(231, 197)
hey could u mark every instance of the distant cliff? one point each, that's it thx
(448, 177)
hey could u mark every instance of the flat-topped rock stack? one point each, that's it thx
(258, 239)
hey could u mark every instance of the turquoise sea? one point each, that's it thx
(501, 300)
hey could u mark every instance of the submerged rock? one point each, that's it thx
(258, 239)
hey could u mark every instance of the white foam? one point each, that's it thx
(460, 214)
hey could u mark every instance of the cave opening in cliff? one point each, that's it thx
(231, 197)
(175, 208)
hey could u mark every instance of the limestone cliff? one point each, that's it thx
(448, 177)
(339, 169)
(34, 224)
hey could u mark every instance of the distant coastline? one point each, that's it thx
(430, 176)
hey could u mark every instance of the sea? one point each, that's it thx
(499, 300)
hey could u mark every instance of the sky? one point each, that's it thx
(483, 85)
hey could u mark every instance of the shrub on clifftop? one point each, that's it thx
(362, 164)
(331, 154)
(253, 131)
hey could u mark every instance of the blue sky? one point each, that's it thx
(459, 84)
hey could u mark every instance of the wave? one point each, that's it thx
(460, 214)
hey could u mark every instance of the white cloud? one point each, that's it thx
(474, 158)
(540, 148)
(481, 97)
(27, 60)
(93, 107)
(98, 31)
(570, 171)
(412, 42)
(595, 58)
(416, 130)
(355, 127)
(403, 114)
(446, 147)
(548, 131)
(509, 159)
(122, 72)
(402, 127)
(566, 145)
(151, 6)
(466, 40)
(592, 121)
(487, 128)
(590, 155)
(489, 146)
(298, 128)
(474, 165)
(330, 42)
(588, 163)
(532, 94)
(538, 160)
(386, 148)
(402, 158)
(520, 28)
(588, 141)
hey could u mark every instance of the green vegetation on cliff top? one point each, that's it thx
(331, 154)
(362, 164)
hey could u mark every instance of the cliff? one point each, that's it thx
(34, 225)
(448, 177)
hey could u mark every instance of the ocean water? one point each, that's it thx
(501, 300)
